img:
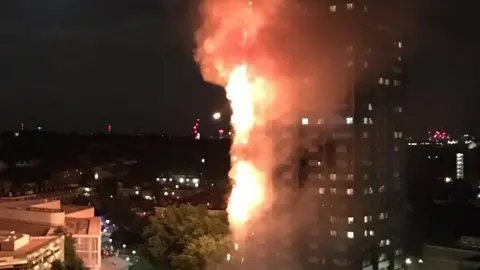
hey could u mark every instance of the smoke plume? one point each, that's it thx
(291, 74)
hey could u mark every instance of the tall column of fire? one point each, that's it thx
(246, 92)
(229, 55)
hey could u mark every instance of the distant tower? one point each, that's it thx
(109, 128)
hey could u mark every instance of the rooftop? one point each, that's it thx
(90, 226)
(69, 208)
(24, 227)
(6, 236)
(83, 223)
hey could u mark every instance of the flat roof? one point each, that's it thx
(87, 226)
(90, 226)
(22, 204)
(25, 204)
(24, 227)
(69, 208)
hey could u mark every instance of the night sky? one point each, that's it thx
(79, 65)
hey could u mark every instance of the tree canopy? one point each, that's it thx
(58, 265)
(187, 237)
(72, 261)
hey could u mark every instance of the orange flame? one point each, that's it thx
(231, 55)
(247, 194)
(241, 93)
(249, 182)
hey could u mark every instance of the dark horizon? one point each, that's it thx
(80, 66)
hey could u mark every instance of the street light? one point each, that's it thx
(217, 116)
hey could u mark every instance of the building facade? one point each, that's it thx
(348, 166)
(340, 199)
(353, 157)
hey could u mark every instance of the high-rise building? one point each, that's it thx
(353, 158)
(348, 210)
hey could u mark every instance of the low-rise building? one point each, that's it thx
(42, 218)
(23, 251)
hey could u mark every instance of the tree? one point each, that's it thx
(187, 237)
(202, 253)
(58, 265)
(72, 261)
